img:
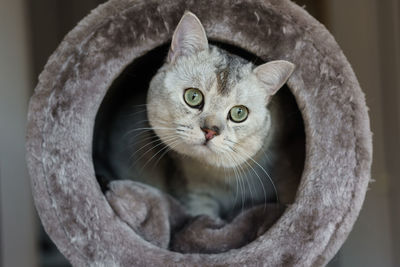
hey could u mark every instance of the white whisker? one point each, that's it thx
(152, 142)
(165, 152)
(147, 128)
(160, 143)
(262, 168)
(166, 147)
(238, 179)
(137, 112)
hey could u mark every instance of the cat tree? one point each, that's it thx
(91, 232)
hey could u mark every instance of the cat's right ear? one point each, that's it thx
(189, 37)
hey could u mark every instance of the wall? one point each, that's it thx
(17, 222)
(368, 33)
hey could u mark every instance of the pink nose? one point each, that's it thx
(210, 134)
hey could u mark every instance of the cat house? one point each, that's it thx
(80, 77)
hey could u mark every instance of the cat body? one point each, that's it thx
(215, 133)
(213, 112)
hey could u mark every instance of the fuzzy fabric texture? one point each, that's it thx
(90, 232)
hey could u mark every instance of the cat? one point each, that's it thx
(214, 113)
(216, 131)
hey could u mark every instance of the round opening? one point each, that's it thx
(125, 148)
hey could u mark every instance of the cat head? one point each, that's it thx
(211, 105)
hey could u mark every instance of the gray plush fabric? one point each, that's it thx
(91, 232)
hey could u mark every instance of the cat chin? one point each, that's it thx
(206, 154)
(217, 162)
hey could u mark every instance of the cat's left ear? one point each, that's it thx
(274, 74)
(189, 37)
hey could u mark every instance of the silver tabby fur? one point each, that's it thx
(231, 169)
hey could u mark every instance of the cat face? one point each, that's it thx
(210, 105)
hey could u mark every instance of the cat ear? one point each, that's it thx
(189, 37)
(274, 74)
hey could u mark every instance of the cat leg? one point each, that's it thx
(201, 203)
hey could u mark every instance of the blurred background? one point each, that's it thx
(368, 32)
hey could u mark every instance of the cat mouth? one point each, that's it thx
(206, 142)
(207, 145)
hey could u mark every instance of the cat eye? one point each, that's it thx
(238, 113)
(193, 97)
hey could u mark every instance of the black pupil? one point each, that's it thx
(239, 111)
(194, 96)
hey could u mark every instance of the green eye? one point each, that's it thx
(193, 97)
(238, 113)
